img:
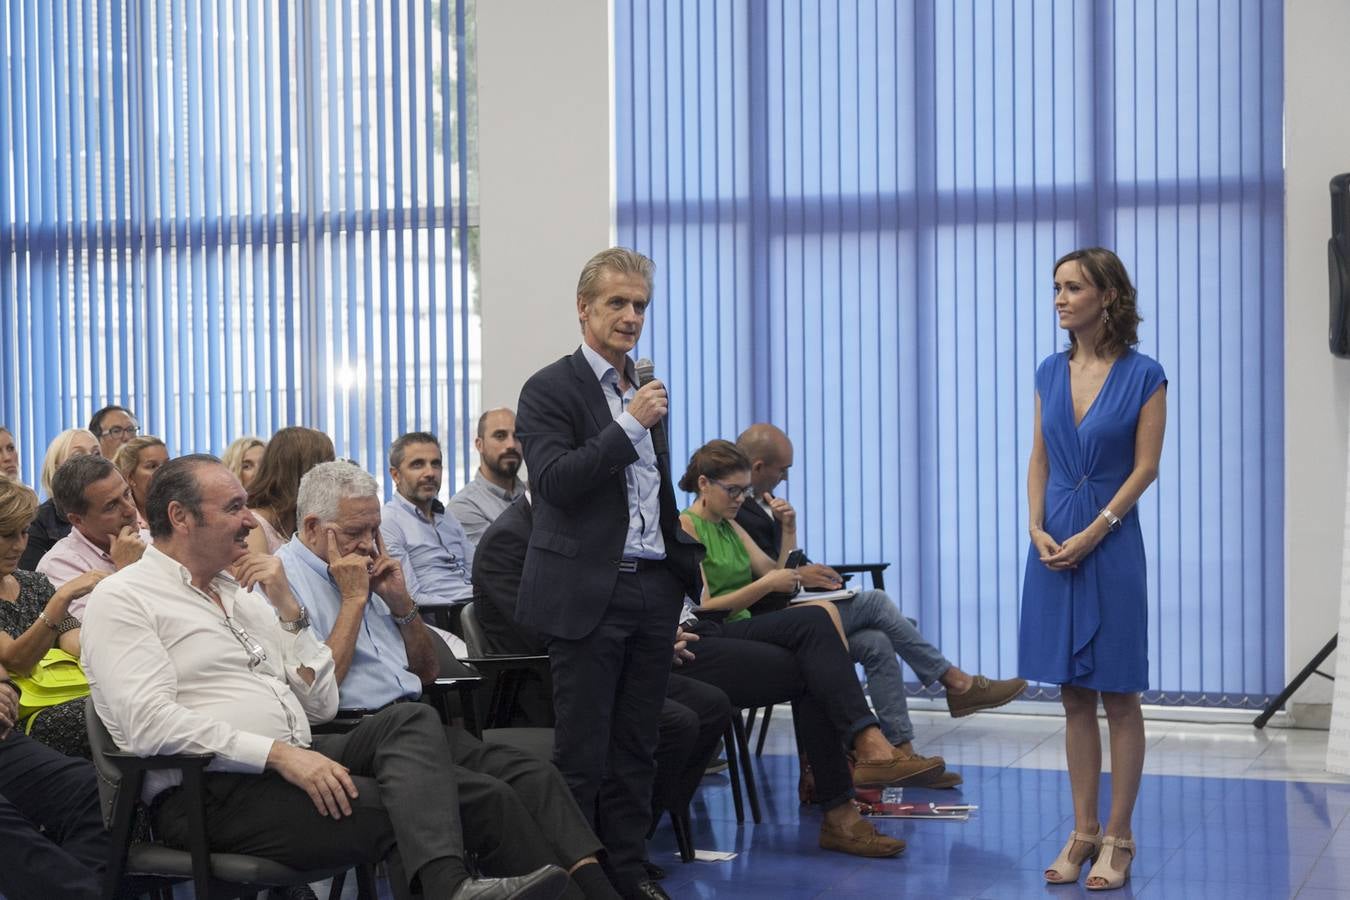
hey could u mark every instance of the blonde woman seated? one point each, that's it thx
(50, 525)
(243, 456)
(9, 455)
(137, 460)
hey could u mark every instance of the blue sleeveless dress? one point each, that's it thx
(1088, 626)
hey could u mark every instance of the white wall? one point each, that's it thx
(543, 178)
(1317, 386)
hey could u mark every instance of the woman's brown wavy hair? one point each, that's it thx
(1104, 271)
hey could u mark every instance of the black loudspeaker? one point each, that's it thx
(1338, 267)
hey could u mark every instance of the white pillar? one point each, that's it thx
(544, 153)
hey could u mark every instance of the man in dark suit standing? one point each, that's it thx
(607, 564)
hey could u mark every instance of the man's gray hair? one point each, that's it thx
(620, 260)
(326, 485)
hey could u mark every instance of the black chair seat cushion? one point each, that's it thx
(160, 861)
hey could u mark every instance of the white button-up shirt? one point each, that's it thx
(171, 673)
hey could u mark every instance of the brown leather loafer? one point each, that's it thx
(893, 771)
(984, 694)
(860, 840)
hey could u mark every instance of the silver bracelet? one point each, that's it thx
(409, 618)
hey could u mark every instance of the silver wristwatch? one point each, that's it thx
(297, 625)
(1112, 520)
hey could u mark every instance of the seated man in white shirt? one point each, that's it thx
(182, 658)
(104, 535)
(382, 653)
(419, 532)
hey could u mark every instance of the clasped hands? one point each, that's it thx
(1062, 557)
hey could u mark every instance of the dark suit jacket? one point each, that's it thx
(767, 533)
(576, 455)
(497, 563)
(763, 528)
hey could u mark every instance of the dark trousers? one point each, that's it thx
(608, 689)
(793, 655)
(693, 719)
(413, 791)
(528, 799)
(41, 788)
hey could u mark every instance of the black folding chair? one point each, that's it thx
(152, 865)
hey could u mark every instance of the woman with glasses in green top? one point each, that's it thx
(737, 574)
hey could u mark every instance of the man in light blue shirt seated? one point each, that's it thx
(517, 811)
(436, 554)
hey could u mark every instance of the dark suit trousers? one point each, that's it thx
(417, 780)
(608, 688)
(42, 788)
(530, 800)
(693, 719)
(793, 655)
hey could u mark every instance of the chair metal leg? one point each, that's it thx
(201, 847)
(683, 838)
(366, 888)
(763, 730)
(747, 772)
(733, 767)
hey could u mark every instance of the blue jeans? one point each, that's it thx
(876, 633)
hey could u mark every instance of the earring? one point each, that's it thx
(1106, 316)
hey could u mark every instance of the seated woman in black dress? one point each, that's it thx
(34, 619)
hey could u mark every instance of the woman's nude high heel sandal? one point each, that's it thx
(1103, 867)
(1066, 871)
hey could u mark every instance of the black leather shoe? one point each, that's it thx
(649, 890)
(654, 872)
(544, 883)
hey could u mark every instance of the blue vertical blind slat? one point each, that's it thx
(900, 178)
(206, 207)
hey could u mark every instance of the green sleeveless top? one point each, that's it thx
(727, 564)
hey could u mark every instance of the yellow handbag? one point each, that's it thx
(56, 679)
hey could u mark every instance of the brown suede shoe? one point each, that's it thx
(938, 778)
(937, 781)
(860, 840)
(893, 771)
(984, 694)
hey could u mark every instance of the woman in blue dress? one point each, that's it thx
(1100, 413)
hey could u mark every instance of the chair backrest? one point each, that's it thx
(109, 778)
(474, 638)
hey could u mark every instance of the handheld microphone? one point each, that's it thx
(646, 373)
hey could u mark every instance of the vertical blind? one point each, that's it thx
(855, 206)
(235, 215)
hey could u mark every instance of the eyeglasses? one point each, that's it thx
(256, 654)
(120, 431)
(735, 491)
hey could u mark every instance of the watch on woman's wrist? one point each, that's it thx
(1112, 520)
